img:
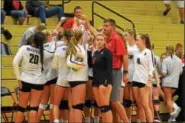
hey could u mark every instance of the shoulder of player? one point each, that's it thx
(25, 47)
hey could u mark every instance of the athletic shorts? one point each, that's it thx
(63, 83)
(116, 85)
(76, 83)
(53, 81)
(90, 78)
(179, 3)
(27, 87)
(138, 84)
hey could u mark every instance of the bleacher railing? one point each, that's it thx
(112, 11)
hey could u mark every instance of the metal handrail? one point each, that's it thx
(94, 13)
(66, 1)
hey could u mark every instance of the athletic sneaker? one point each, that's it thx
(157, 121)
(171, 119)
(176, 112)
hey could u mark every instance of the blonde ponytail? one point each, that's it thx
(71, 50)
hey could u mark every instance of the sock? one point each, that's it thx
(175, 105)
(171, 114)
(87, 120)
(56, 121)
(65, 121)
(96, 119)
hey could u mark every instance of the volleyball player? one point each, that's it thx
(78, 75)
(89, 94)
(31, 77)
(102, 77)
(59, 62)
(171, 71)
(132, 50)
(50, 76)
(142, 77)
(120, 58)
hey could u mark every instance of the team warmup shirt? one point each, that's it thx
(172, 67)
(102, 67)
(132, 51)
(81, 66)
(29, 58)
(143, 66)
(63, 69)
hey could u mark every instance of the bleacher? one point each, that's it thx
(146, 15)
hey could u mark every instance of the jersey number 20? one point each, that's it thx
(34, 58)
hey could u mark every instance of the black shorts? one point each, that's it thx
(27, 87)
(53, 81)
(129, 83)
(97, 84)
(154, 85)
(138, 84)
(76, 83)
(90, 78)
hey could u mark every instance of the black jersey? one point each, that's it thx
(102, 67)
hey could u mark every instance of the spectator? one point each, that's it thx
(179, 50)
(69, 23)
(15, 9)
(38, 9)
(5, 50)
(180, 6)
(30, 32)
(3, 14)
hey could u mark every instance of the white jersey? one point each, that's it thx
(49, 49)
(132, 51)
(172, 67)
(81, 74)
(29, 57)
(143, 66)
(63, 69)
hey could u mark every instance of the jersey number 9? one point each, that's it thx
(34, 59)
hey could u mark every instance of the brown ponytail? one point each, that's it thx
(146, 38)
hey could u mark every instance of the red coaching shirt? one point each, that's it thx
(116, 45)
(69, 23)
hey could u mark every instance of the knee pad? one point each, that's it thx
(88, 103)
(79, 106)
(64, 105)
(42, 106)
(34, 108)
(127, 103)
(50, 106)
(20, 108)
(156, 102)
(105, 108)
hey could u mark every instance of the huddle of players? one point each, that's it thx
(58, 70)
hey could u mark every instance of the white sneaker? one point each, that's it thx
(176, 112)
(171, 119)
